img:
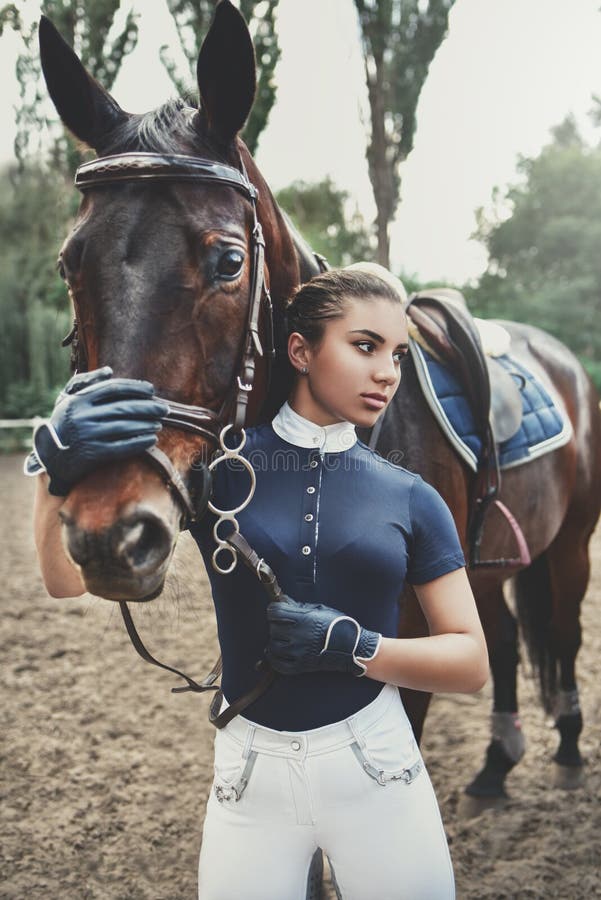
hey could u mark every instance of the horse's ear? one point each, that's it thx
(226, 72)
(84, 106)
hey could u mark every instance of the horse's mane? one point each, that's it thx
(171, 128)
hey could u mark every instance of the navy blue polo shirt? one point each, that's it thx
(346, 529)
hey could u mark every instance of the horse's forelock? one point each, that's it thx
(173, 127)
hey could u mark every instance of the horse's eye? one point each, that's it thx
(230, 264)
(60, 268)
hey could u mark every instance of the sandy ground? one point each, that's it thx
(105, 772)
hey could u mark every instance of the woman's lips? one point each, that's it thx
(374, 401)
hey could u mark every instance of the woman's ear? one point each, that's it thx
(299, 352)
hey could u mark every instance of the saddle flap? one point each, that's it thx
(505, 402)
(446, 325)
(449, 329)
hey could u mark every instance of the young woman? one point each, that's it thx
(326, 757)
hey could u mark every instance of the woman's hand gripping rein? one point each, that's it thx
(310, 637)
(96, 419)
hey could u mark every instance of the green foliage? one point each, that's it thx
(400, 39)
(321, 213)
(33, 305)
(544, 261)
(85, 24)
(192, 19)
(9, 15)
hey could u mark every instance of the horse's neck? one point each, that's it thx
(308, 264)
(289, 258)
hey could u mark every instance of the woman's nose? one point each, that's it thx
(388, 374)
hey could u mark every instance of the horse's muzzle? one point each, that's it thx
(127, 561)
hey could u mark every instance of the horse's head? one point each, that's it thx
(162, 265)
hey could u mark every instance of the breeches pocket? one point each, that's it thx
(386, 749)
(245, 777)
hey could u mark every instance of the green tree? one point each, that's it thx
(192, 19)
(544, 261)
(88, 26)
(322, 214)
(399, 39)
(36, 206)
(33, 305)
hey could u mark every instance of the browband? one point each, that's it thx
(158, 166)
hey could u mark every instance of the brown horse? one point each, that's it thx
(163, 261)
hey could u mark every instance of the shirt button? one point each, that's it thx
(310, 490)
(295, 745)
(314, 463)
(309, 517)
(306, 550)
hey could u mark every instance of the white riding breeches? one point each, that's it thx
(357, 789)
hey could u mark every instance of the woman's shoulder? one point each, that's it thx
(388, 466)
(423, 497)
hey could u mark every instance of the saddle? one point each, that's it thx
(447, 327)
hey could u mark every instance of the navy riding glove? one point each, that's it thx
(310, 637)
(96, 419)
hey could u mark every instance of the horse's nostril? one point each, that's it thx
(141, 542)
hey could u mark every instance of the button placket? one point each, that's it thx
(308, 523)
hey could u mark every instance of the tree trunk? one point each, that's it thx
(381, 224)
(381, 168)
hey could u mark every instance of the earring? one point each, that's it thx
(304, 370)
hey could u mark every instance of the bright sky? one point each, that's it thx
(508, 71)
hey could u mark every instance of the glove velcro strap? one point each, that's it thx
(346, 637)
(47, 445)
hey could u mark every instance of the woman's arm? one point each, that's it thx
(61, 577)
(454, 656)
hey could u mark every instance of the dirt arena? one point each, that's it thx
(105, 772)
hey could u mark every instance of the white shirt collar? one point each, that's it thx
(303, 433)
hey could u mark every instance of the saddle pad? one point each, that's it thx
(544, 425)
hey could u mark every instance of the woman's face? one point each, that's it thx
(355, 369)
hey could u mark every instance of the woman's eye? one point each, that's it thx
(230, 264)
(364, 346)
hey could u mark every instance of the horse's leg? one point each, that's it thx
(569, 570)
(507, 743)
(550, 617)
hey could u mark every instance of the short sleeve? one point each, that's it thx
(435, 548)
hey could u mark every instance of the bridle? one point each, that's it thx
(159, 167)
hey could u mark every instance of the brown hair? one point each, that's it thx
(325, 296)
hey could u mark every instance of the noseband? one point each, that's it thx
(157, 167)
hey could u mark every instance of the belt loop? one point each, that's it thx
(359, 739)
(250, 736)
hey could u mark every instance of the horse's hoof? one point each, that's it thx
(568, 778)
(489, 783)
(470, 807)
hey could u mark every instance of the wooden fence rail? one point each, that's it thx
(20, 423)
